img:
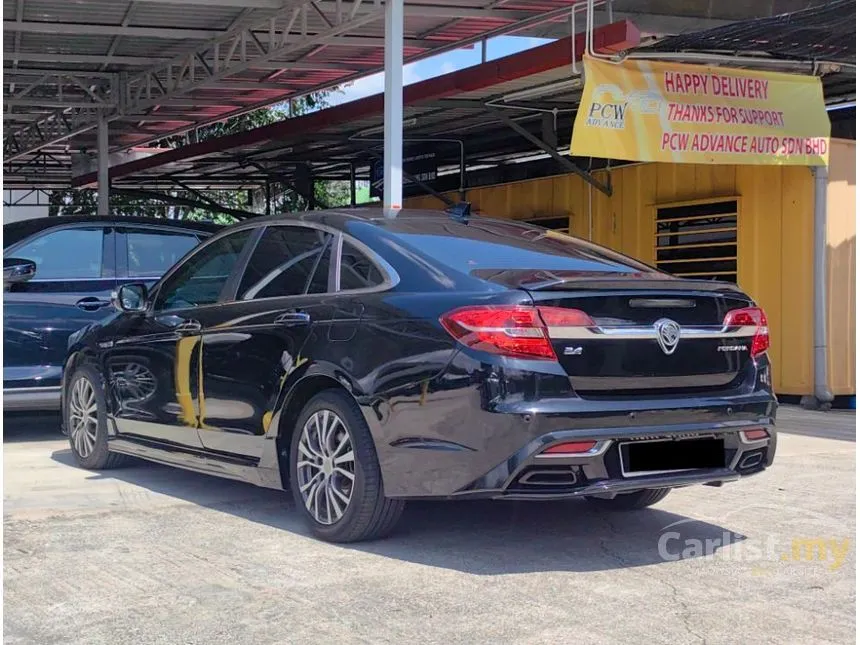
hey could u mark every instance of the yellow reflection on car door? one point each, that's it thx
(185, 348)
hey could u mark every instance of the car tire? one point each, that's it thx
(630, 501)
(334, 472)
(85, 417)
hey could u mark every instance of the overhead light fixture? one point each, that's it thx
(407, 123)
(543, 90)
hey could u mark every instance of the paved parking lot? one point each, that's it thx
(148, 554)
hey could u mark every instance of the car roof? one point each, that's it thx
(14, 232)
(337, 217)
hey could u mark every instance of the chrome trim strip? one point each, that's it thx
(32, 398)
(646, 332)
(30, 390)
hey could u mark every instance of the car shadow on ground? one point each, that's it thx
(31, 426)
(479, 537)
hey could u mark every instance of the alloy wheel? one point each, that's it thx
(325, 466)
(83, 417)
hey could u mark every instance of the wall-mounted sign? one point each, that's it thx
(642, 110)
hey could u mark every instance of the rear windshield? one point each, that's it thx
(484, 244)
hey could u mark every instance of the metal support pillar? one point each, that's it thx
(103, 168)
(392, 196)
(823, 393)
(352, 200)
(484, 50)
(268, 198)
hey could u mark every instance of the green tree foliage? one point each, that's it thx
(285, 199)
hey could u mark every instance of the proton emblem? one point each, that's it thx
(668, 335)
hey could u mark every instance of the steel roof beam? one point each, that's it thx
(329, 6)
(79, 59)
(86, 59)
(54, 102)
(249, 4)
(451, 10)
(173, 33)
(35, 72)
(89, 29)
(412, 9)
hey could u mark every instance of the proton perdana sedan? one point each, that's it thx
(361, 360)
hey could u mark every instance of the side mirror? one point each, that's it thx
(17, 270)
(130, 298)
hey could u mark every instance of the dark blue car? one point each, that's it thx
(58, 275)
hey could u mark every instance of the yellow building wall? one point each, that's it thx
(841, 263)
(775, 240)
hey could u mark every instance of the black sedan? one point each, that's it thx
(362, 359)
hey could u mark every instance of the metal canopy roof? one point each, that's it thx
(441, 111)
(824, 33)
(482, 107)
(159, 67)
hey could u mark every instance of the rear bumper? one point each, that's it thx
(600, 473)
(31, 398)
(452, 445)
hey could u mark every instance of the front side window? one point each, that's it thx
(67, 254)
(288, 261)
(201, 278)
(152, 253)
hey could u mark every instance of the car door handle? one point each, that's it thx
(293, 318)
(188, 327)
(91, 303)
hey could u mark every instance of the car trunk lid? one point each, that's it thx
(660, 339)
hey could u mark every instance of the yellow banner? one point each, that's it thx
(642, 110)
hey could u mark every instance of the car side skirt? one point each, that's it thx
(204, 462)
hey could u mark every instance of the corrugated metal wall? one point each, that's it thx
(774, 242)
(841, 252)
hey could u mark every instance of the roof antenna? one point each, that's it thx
(460, 212)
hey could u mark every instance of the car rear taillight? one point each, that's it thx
(570, 448)
(517, 331)
(751, 317)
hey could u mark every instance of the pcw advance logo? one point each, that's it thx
(611, 112)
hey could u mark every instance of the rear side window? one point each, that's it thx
(288, 261)
(151, 253)
(357, 271)
(67, 254)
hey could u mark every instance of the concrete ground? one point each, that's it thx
(148, 554)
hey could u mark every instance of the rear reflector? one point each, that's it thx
(751, 317)
(570, 448)
(755, 435)
(517, 331)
